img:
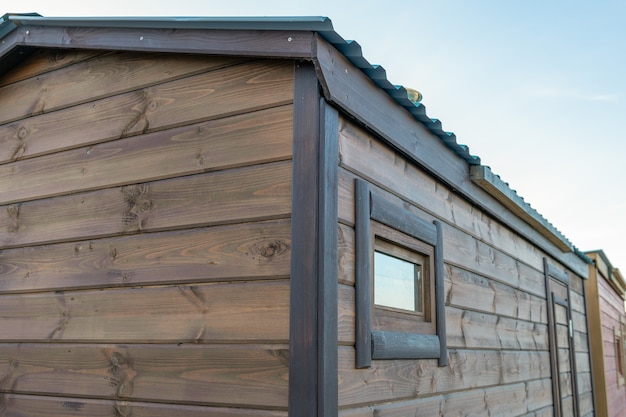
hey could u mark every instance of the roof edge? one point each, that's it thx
(482, 176)
(351, 50)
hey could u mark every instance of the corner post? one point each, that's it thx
(313, 332)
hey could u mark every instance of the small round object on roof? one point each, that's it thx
(413, 95)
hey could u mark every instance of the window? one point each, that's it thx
(397, 280)
(620, 353)
(399, 283)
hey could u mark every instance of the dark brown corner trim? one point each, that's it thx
(313, 354)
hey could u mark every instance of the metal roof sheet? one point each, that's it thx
(320, 24)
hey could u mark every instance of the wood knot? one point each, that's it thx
(138, 205)
(59, 56)
(152, 105)
(281, 354)
(273, 249)
(117, 359)
(14, 213)
(22, 133)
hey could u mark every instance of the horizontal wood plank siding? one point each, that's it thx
(145, 231)
(51, 406)
(606, 317)
(496, 309)
(187, 373)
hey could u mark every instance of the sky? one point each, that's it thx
(535, 88)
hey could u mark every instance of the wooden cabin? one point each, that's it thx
(244, 217)
(606, 290)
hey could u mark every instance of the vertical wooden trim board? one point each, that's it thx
(440, 299)
(594, 398)
(313, 311)
(327, 324)
(362, 267)
(552, 343)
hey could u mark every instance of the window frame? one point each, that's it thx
(377, 217)
(385, 239)
(619, 334)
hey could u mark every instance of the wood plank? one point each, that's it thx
(469, 329)
(539, 394)
(314, 217)
(610, 297)
(205, 96)
(19, 405)
(507, 400)
(45, 60)
(252, 193)
(585, 403)
(363, 155)
(504, 400)
(354, 92)
(392, 380)
(345, 254)
(273, 43)
(100, 77)
(248, 376)
(238, 141)
(422, 407)
(222, 253)
(216, 313)
(460, 249)
(346, 315)
(467, 290)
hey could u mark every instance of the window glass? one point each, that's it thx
(397, 282)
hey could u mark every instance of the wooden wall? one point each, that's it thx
(606, 315)
(496, 311)
(145, 235)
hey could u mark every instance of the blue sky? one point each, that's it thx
(537, 89)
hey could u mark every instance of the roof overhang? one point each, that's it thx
(610, 274)
(301, 38)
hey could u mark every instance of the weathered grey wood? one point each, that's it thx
(471, 329)
(253, 376)
(396, 345)
(440, 301)
(474, 292)
(388, 380)
(44, 60)
(247, 139)
(354, 92)
(230, 196)
(460, 248)
(363, 298)
(307, 224)
(246, 251)
(328, 320)
(49, 406)
(404, 221)
(265, 43)
(493, 184)
(556, 273)
(103, 76)
(245, 312)
(138, 112)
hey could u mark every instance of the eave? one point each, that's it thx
(348, 81)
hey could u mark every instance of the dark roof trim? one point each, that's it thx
(322, 25)
(53, 33)
(483, 177)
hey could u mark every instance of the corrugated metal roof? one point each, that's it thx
(322, 25)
